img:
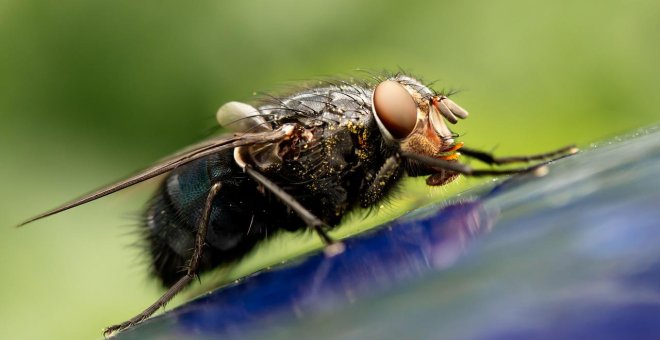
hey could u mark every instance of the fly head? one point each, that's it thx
(414, 117)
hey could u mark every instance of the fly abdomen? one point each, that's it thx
(170, 223)
(240, 217)
(167, 238)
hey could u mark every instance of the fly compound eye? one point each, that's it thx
(395, 109)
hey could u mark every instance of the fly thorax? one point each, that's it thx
(270, 157)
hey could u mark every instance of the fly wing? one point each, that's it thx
(188, 155)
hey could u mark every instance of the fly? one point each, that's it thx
(294, 163)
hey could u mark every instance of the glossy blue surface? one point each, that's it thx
(572, 254)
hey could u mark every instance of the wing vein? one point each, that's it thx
(188, 155)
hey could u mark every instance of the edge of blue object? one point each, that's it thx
(574, 253)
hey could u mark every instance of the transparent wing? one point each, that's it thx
(187, 155)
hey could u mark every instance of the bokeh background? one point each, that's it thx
(91, 91)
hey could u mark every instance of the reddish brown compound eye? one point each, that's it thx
(395, 108)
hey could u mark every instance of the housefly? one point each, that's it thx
(297, 162)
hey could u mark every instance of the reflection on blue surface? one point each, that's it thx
(573, 254)
(321, 283)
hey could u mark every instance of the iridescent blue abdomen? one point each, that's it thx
(240, 217)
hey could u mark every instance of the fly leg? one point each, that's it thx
(191, 272)
(467, 170)
(332, 247)
(488, 158)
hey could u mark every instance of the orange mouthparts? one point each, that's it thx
(451, 154)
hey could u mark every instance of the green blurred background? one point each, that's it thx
(91, 91)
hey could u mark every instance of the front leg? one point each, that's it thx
(488, 158)
(381, 183)
(464, 169)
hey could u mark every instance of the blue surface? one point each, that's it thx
(572, 254)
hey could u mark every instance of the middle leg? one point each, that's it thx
(307, 216)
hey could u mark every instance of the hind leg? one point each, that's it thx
(191, 273)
